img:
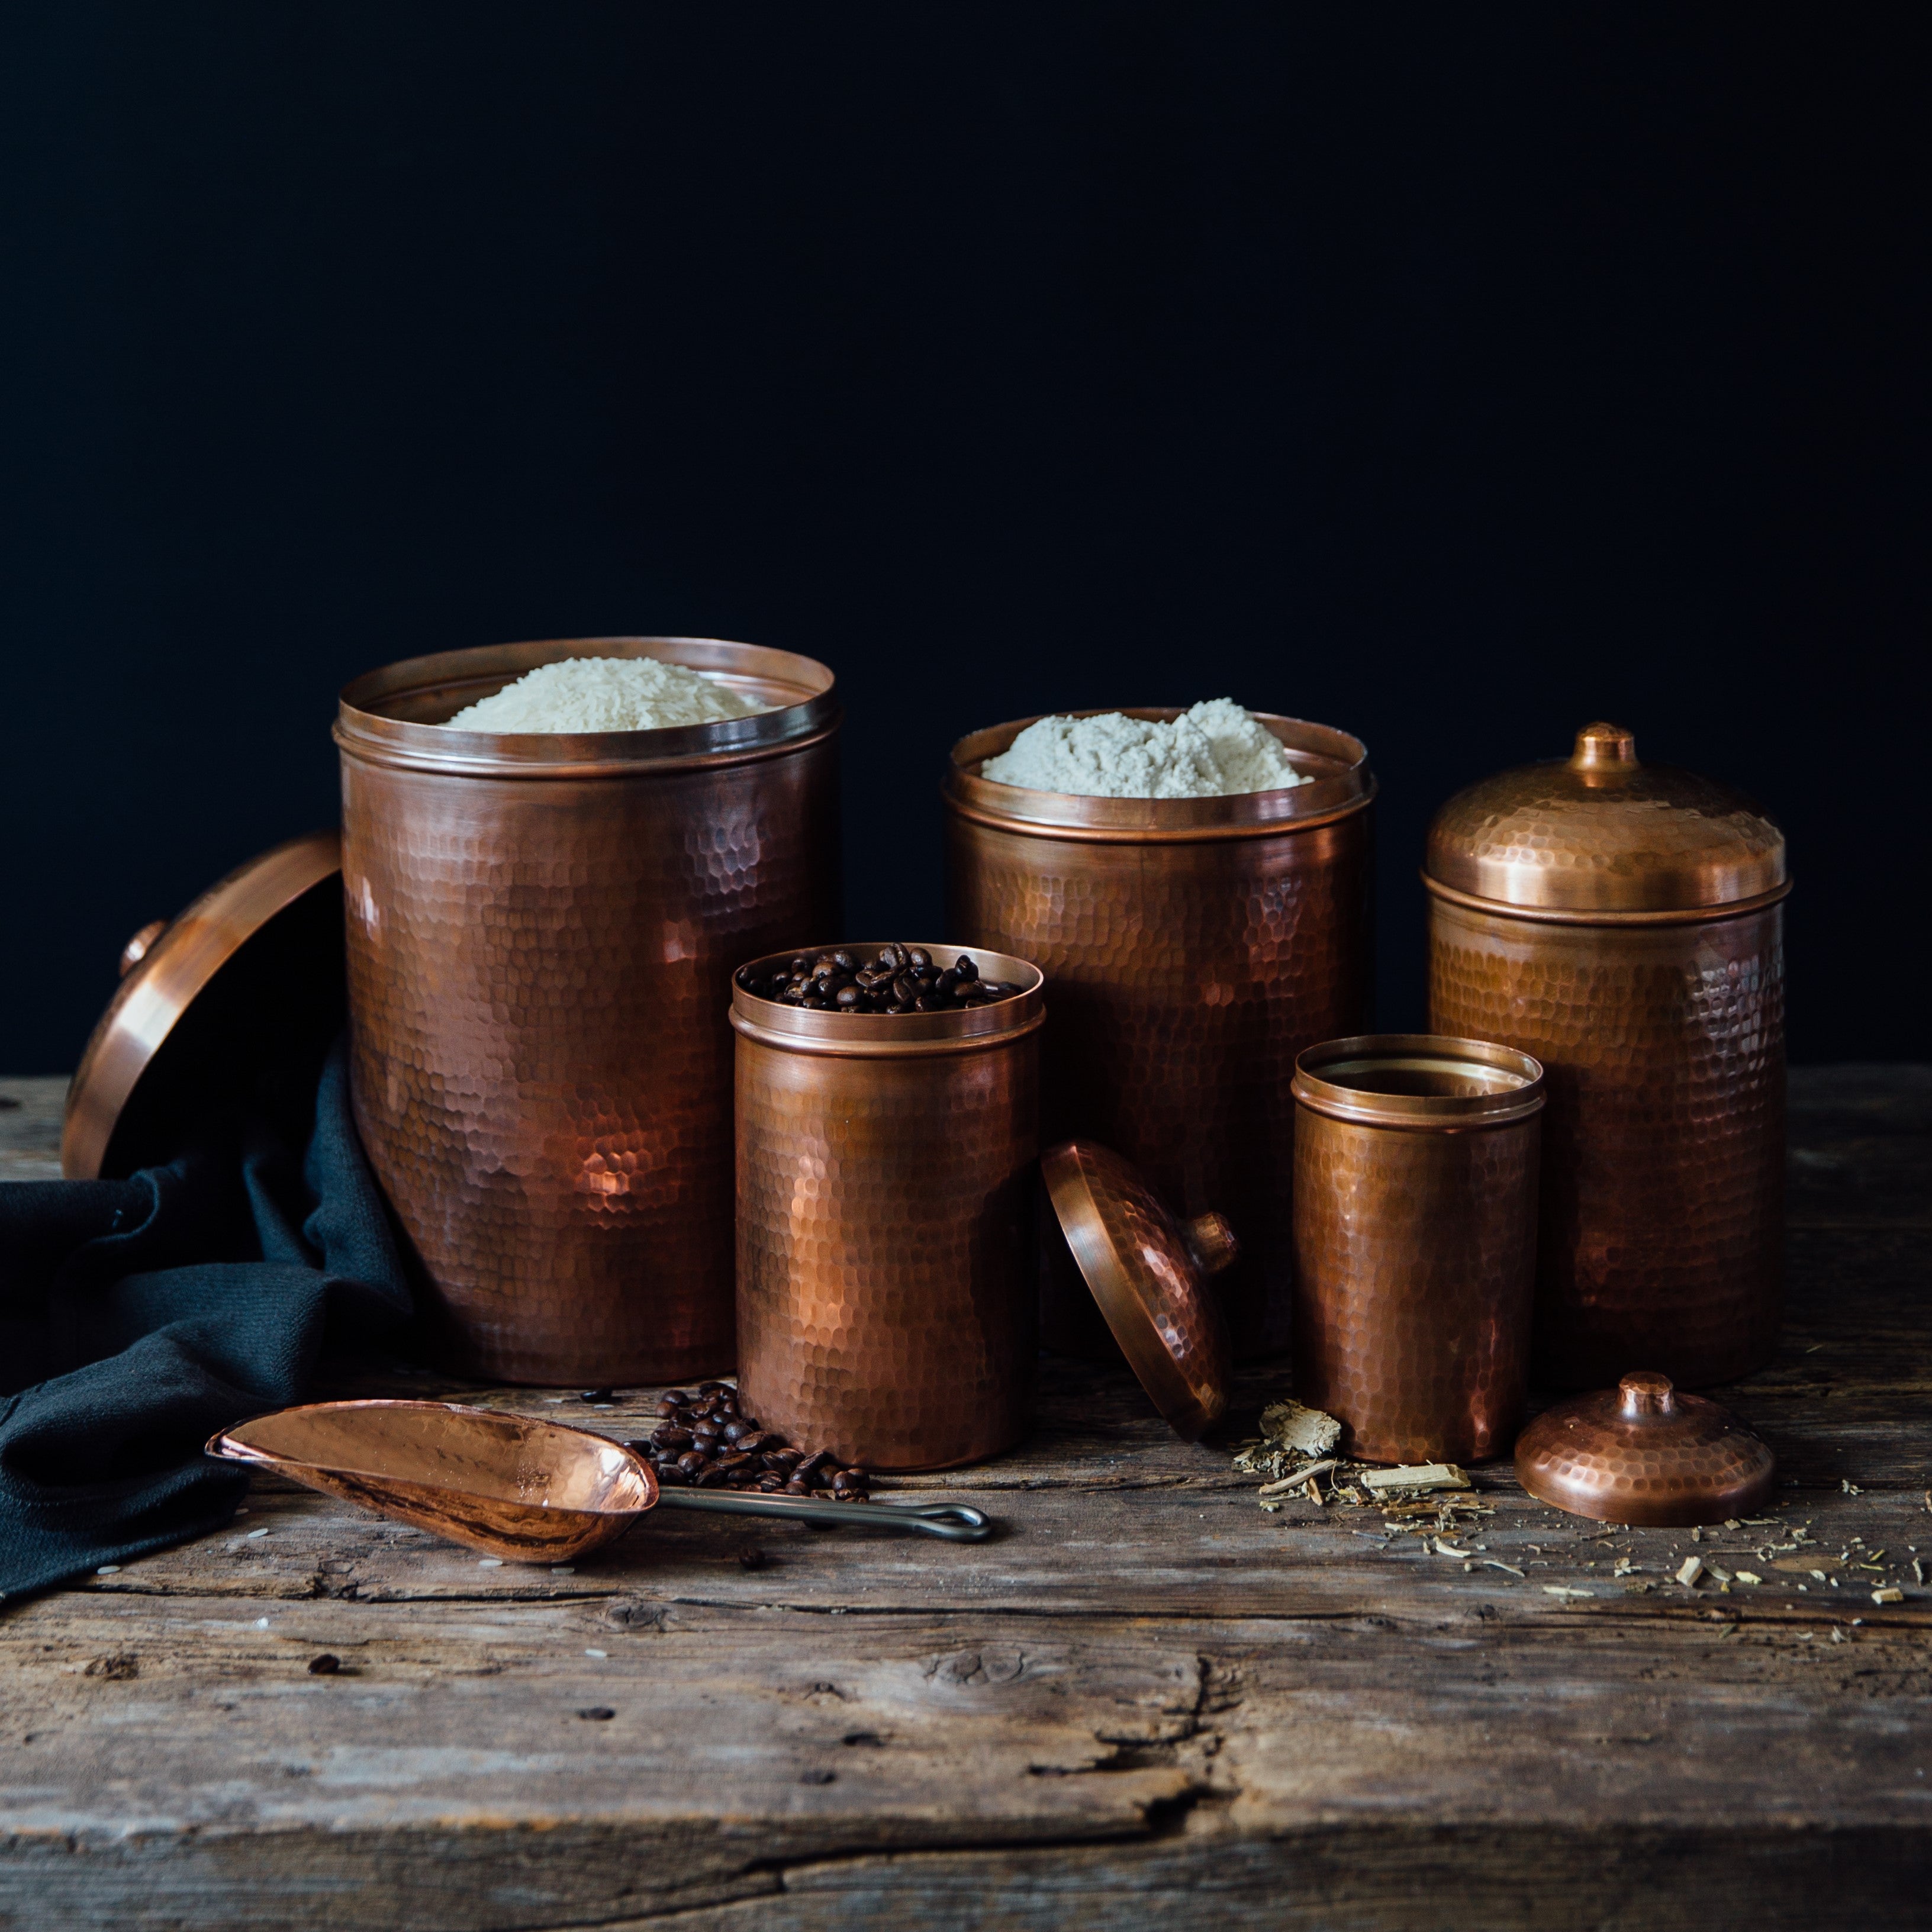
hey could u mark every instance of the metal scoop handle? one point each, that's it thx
(958, 1522)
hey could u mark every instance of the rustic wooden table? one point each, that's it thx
(1148, 1701)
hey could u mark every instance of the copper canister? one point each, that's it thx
(1196, 945)
(541, 934)
(1415, 1161)
(1623, 922)
(886, 1207)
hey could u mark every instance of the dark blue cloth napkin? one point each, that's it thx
(138, 1317)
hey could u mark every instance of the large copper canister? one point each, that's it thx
(541, 934)
(1415, 1162)
(1623, 922)
(887, 1205)
(1195, 946)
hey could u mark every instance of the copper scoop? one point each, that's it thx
(513, 1485)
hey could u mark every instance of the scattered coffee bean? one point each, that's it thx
(598, 1395)
(704, 1440)
(897, 979)
(324, 1666)
(597, 1714)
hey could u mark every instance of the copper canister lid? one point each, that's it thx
(1602, 833)
(207, 1000)
(1149, 1273)
(1644, 1453)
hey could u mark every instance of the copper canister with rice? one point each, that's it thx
(542, 929)
(1623, 922)
(1194, 946)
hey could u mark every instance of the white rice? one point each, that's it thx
(577, 695)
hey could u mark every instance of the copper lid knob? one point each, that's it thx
(1600, 744)
(135, 950)
(1644, 1454)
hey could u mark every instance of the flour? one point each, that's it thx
(1213, 750)
(604, 695)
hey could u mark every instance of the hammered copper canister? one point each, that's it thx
(1415, 1172)
(541, 934)
(1623, 922)
(1195, 946)
(886, 1207)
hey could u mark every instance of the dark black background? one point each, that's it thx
(1454, 376)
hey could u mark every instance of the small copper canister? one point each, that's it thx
(1623, 922)
(542, 929)
(1415, 1162)
(1196, 945)
(887, 1231)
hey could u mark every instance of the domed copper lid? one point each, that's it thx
(1644, 1454)
(244, 987)
(1604, 833)
(1149, 1273)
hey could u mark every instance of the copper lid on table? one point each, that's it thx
(1645, 1454)
(1604, 834)
(256, 960)
(1149, 1273)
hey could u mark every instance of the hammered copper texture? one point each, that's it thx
(1151, 1277)
(1417, 1253)
(1644, 1453)
(1605, 831)
(886, 1239)
(1187, 975)
(539, 972)
(1662, 1242)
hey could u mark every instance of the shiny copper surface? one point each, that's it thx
(1415, 1230)
(1643, 1453)
(136, 949)
(1195, 946)
(1662, 1028)
(1150, 1276)
(886, 1222)
(1605, 832)
(176, 963)
(527, 1490)
(541, 935)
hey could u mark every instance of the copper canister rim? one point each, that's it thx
(390, 716)
(888, 1036)
(1546, 915)
(1338, 764)
(1503, 1085)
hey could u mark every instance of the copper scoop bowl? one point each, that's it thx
(512, 1486)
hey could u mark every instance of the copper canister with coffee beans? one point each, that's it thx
(1623, 922)
(888, 1110)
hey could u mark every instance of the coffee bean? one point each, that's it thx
(326, 1665)
(668, 1435)
(670, 1475)
(597, 1395)
(692, 1463)
(597, 1714)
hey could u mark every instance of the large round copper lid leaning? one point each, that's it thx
(1149, 1273)
(241, 994)
(1604, 833)
(1646, 1454)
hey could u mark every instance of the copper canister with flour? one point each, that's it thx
(1194, 946)
(1623, 922)
(541, 928)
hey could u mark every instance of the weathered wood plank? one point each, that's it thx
(30, 1128)
(1147, 1702)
